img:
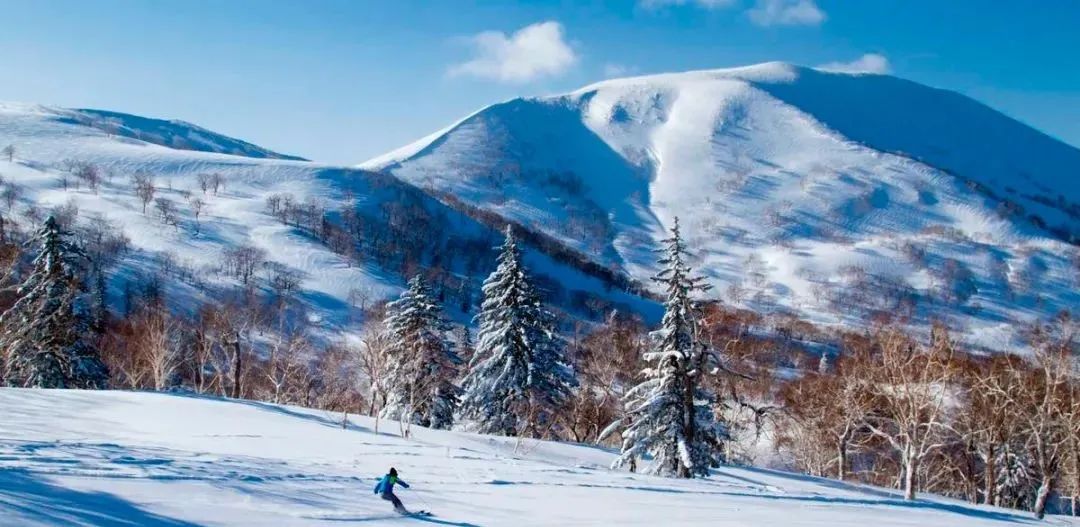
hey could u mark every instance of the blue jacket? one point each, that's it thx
(386, 484)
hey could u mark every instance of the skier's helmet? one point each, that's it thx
(393, 472)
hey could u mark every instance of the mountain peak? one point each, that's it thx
(812, 181)
(764, 72)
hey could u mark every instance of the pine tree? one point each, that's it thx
(422, 363)
(670, 413)
(45, 331)
(517, 377)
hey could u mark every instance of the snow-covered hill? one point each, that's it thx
(831, 195)
(188, 255)
(171, 133)
(70, 458)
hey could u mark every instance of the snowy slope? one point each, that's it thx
(116, 459)
(45, 137)
(176, 134)
(172, 133)
(235, 216)
(831, 195)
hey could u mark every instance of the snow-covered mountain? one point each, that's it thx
(833, 196)
(396, 229)
(83, 458)
(827, 194)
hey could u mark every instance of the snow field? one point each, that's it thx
(154, 459)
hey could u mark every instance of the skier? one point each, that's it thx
(385, 487)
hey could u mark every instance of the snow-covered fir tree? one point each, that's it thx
(422, 365)
(1016, 483)
(44, 333)
(517, 377)
(670, 414)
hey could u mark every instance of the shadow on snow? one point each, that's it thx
(24, 496)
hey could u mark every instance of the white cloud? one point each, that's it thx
(868, 63)
(534, 51)
(704, 4)
(786, 13)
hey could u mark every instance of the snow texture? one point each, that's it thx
(80, 458)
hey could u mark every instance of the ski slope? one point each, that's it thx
(834, 196)
(71, 458)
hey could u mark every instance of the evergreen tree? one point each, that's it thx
(670, 414)
(422, 364)
(1016, 482)
(45, 332)
(517, 377)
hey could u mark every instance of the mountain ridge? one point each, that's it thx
(785, 213)
(170, 133)
(793, 178)
(351, 237)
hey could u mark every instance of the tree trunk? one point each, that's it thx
(841, 460)
(689, 422)
(677, 466)
(1042, 496)
(971, 479)
(197, 368)
(909, 478)
(237, 364)
(1076, 484)
(990, 476)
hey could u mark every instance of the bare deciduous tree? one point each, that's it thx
(608, 362)
(243, 261)
(88, 173)
(167, 211)
(371, 357)
(1044, 402)
(828, 412)
(231, 325)
(143, 183)
(204, 181)
(11, 194)
(158, 339)
(286, 370)
(910, 388)
(216, 182)
(197, 207)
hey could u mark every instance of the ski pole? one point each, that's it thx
(421, 498)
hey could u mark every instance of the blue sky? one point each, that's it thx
(343, 81)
